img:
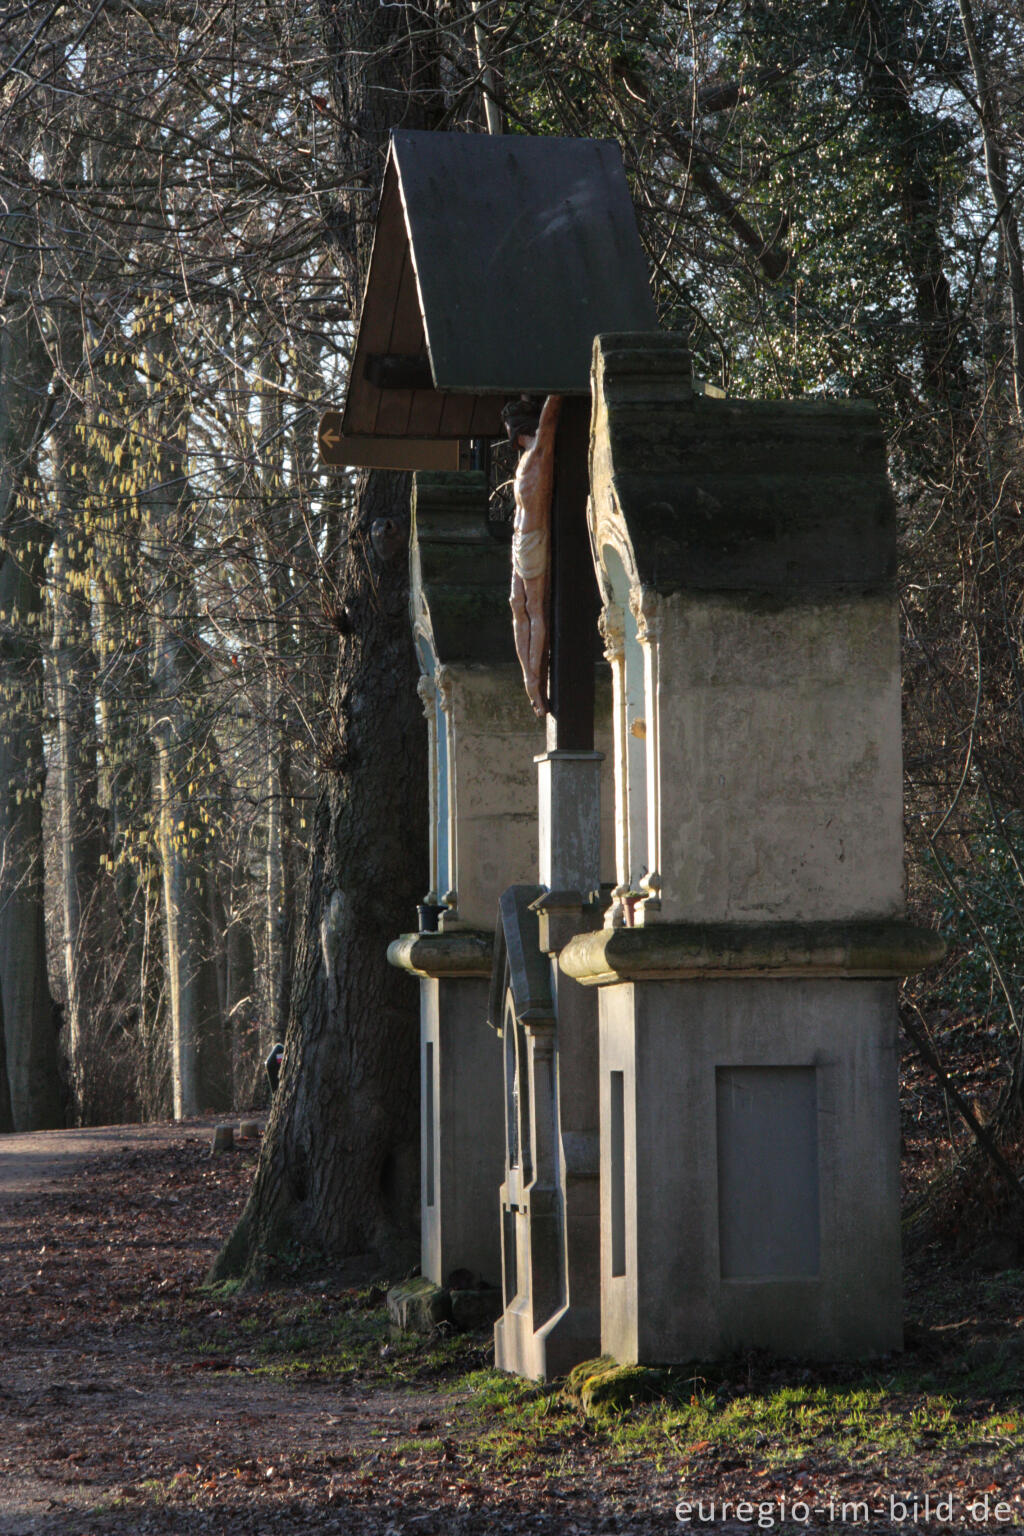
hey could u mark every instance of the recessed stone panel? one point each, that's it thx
(769, 1225)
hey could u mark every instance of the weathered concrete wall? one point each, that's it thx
(746, 553)
(495, 736)
(780, 759)
(746, 1213)
(462, 1140)
(495, 740)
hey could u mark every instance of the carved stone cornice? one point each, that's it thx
(709, 951)
(467, 952)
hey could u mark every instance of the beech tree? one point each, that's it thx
(339, 1166)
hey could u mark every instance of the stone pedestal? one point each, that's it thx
(749, 1126)
(483, 834)
(749, 1137)
(551, 1193)
(461, 1122)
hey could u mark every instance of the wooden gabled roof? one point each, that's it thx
(496, 260)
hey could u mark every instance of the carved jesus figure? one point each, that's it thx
(531, 540)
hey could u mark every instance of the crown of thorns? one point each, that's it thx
(522, 417)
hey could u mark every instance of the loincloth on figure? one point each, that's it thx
(530, 553)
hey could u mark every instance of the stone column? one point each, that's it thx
(483, 801)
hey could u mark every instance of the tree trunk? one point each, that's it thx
(199, 1066)
(278, 894)
(30, 1033)
(886, 45)
(74, 686)
(30, 1019)
(339, 1167)
(6, 1117)
(240, 991)
(999, 188)
(279, 924)
(184, 766)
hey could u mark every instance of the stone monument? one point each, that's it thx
(747, 968)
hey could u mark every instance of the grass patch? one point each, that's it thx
(418, 1450)
(345, 1334)
(956, 1398)
(687, 1418)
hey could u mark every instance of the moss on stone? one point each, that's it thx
(418, 1305)
(604, 1386)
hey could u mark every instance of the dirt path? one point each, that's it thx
(37, 1160)
(130, 1401)
(135, 1403)
(125, 1404)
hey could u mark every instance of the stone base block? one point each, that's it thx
(750, 1169)
(475, 1309)
(603, 1386)
(420, 1306)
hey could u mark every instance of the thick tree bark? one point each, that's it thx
(338, 1171)
(30, 1021)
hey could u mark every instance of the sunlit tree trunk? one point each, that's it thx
(183, 774)
(74, 771)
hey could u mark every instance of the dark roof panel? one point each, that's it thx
(496, 261)
(524, 249)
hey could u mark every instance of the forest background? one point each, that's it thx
(212, 760)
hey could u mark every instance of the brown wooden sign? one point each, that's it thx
(329, 438)
(338, 451)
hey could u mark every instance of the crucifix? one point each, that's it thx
(496, 262)
(554, 597)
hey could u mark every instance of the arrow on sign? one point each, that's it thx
(338, 451)
(330, 436)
